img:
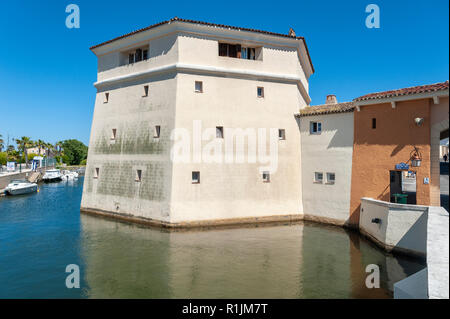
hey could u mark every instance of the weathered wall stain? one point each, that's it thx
(131, 139)
(119, 179)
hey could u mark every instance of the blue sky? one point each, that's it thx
(47, 70)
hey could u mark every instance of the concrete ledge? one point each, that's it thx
(412, 287)
(275, 219)
(326, 220)
(398, 228)
(392, 249)
(438, 253)
(395, 205)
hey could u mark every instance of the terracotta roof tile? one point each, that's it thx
(208, 24)
(326, 109)
(405, 91)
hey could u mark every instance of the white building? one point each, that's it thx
(35, 150)
(182, 74)
(326, 156)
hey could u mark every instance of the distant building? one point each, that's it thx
(443, 150)
(35, 150)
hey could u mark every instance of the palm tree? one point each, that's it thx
(40, 144)
(49, 148)
(58, 147)
(23, 145)
(2, 143)
(59, 150)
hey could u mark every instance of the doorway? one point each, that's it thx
(403, 187)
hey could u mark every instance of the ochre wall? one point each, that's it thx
(376, 151)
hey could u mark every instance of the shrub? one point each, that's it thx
(2, 158)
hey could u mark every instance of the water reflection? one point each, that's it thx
(289, 261)
(41, 233)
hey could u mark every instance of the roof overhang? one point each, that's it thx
(208, 29)
(394, 99)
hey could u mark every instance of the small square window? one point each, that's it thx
(198, 87)
(138, 175)
(266, 177)
(106, 100)
(219, 131)
(260, 91)
(315, 127)
(281, 134)
(374, 123)
(96, 172)
(157, 132)
(331, 178)
(145, 90)
(318, 177)
(145, 55)
(113, 135)
(195, 177)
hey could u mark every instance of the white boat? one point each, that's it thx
(52, 175)
(69, 176)
(18, 187)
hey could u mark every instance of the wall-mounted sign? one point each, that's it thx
(402, 166)
(426, 180)
(11, 166)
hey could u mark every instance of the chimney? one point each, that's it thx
(291, 32)
(331, 99)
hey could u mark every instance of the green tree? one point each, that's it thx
(74, 152)
(12, 154)
(2, 143)
(3, 158)
(23, 144)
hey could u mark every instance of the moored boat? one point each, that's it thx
(52, 175)
(19, 187)
(69, 175)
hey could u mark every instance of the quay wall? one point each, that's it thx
(5, 180)
(395, 227)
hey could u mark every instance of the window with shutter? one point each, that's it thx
(237, 51)
(315, 127)
(138, 55)
(223, 49)
(232, 51)
(251, 54)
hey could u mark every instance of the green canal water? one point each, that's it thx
(42, 233)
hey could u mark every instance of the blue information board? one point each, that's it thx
(402, 166)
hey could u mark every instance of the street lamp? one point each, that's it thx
(416, 158)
